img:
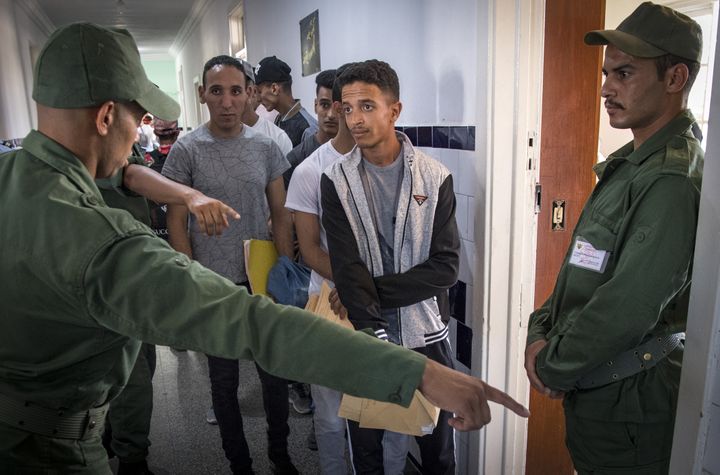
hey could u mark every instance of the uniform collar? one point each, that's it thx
(59, 158)
(659, 140)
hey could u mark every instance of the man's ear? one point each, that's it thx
(395, 110)
(676, 77)
(105, 117)
(275, 89)
(201, 94)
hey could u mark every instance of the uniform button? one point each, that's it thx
(91, 425)
(181, 262)
(394, 398)
(92, 200)
(647, 356)
(639, 236)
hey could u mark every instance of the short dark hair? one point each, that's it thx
(324, 79)
(375, 72)
(285, 86)
(337, 89)
(223, 60)
(667, 61)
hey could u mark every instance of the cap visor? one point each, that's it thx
(625, 42)
(159, 104)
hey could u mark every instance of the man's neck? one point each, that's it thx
(224, 134)
(384, 153)
(343, 142)
(250, 118)
(322, 137)
(641, 135)
(284, 104)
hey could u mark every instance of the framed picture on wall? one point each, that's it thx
(310, 44)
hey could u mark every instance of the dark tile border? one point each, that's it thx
(463, 352)
(459, 137)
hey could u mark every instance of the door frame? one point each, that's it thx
(510, 45)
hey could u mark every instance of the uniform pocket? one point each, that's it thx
(601, 231)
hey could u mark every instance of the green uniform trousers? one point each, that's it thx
(128, 422)
(606, 447)
(31, 454)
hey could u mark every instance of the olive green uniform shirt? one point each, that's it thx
(115, 195)
(82, 283)
(643, 211)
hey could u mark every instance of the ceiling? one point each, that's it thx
(154, 23)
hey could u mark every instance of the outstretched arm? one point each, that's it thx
(212, 215)
(465, 396)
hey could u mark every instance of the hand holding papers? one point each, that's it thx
(418, 419)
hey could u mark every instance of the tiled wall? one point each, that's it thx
(455, 148)
(462, 165)
(457, 137)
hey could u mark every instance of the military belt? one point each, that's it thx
(55, 423)
(631, 362)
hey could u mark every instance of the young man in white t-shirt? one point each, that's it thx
(253, 120)
(303, 198)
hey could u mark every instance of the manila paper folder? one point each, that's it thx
(419, 419)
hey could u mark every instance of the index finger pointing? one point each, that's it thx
(495, 395)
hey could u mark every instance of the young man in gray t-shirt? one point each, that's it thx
(233, 163)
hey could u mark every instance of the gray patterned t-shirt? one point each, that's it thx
(236, 171)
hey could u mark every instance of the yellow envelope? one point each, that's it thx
(260, 257)
(419, 419)
(320, 305)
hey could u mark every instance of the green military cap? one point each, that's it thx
(651, 31)
(84, 65)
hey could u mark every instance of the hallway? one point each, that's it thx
(183, 443)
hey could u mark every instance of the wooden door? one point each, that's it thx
(568, 150)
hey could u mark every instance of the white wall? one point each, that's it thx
(19, 32)
(697, 426)
(431, 45)
(209, 37)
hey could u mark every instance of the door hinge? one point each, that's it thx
(538, 197)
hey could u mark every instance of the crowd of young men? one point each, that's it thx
(374, 218)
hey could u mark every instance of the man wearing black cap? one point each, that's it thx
(252, 119)
(274, 83)
(609, 339)
(75, 308)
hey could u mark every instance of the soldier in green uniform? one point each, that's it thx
(127, 427)
(128, 420)
(83, 283)
(608, 340)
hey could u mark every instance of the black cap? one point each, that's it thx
(271, 69)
